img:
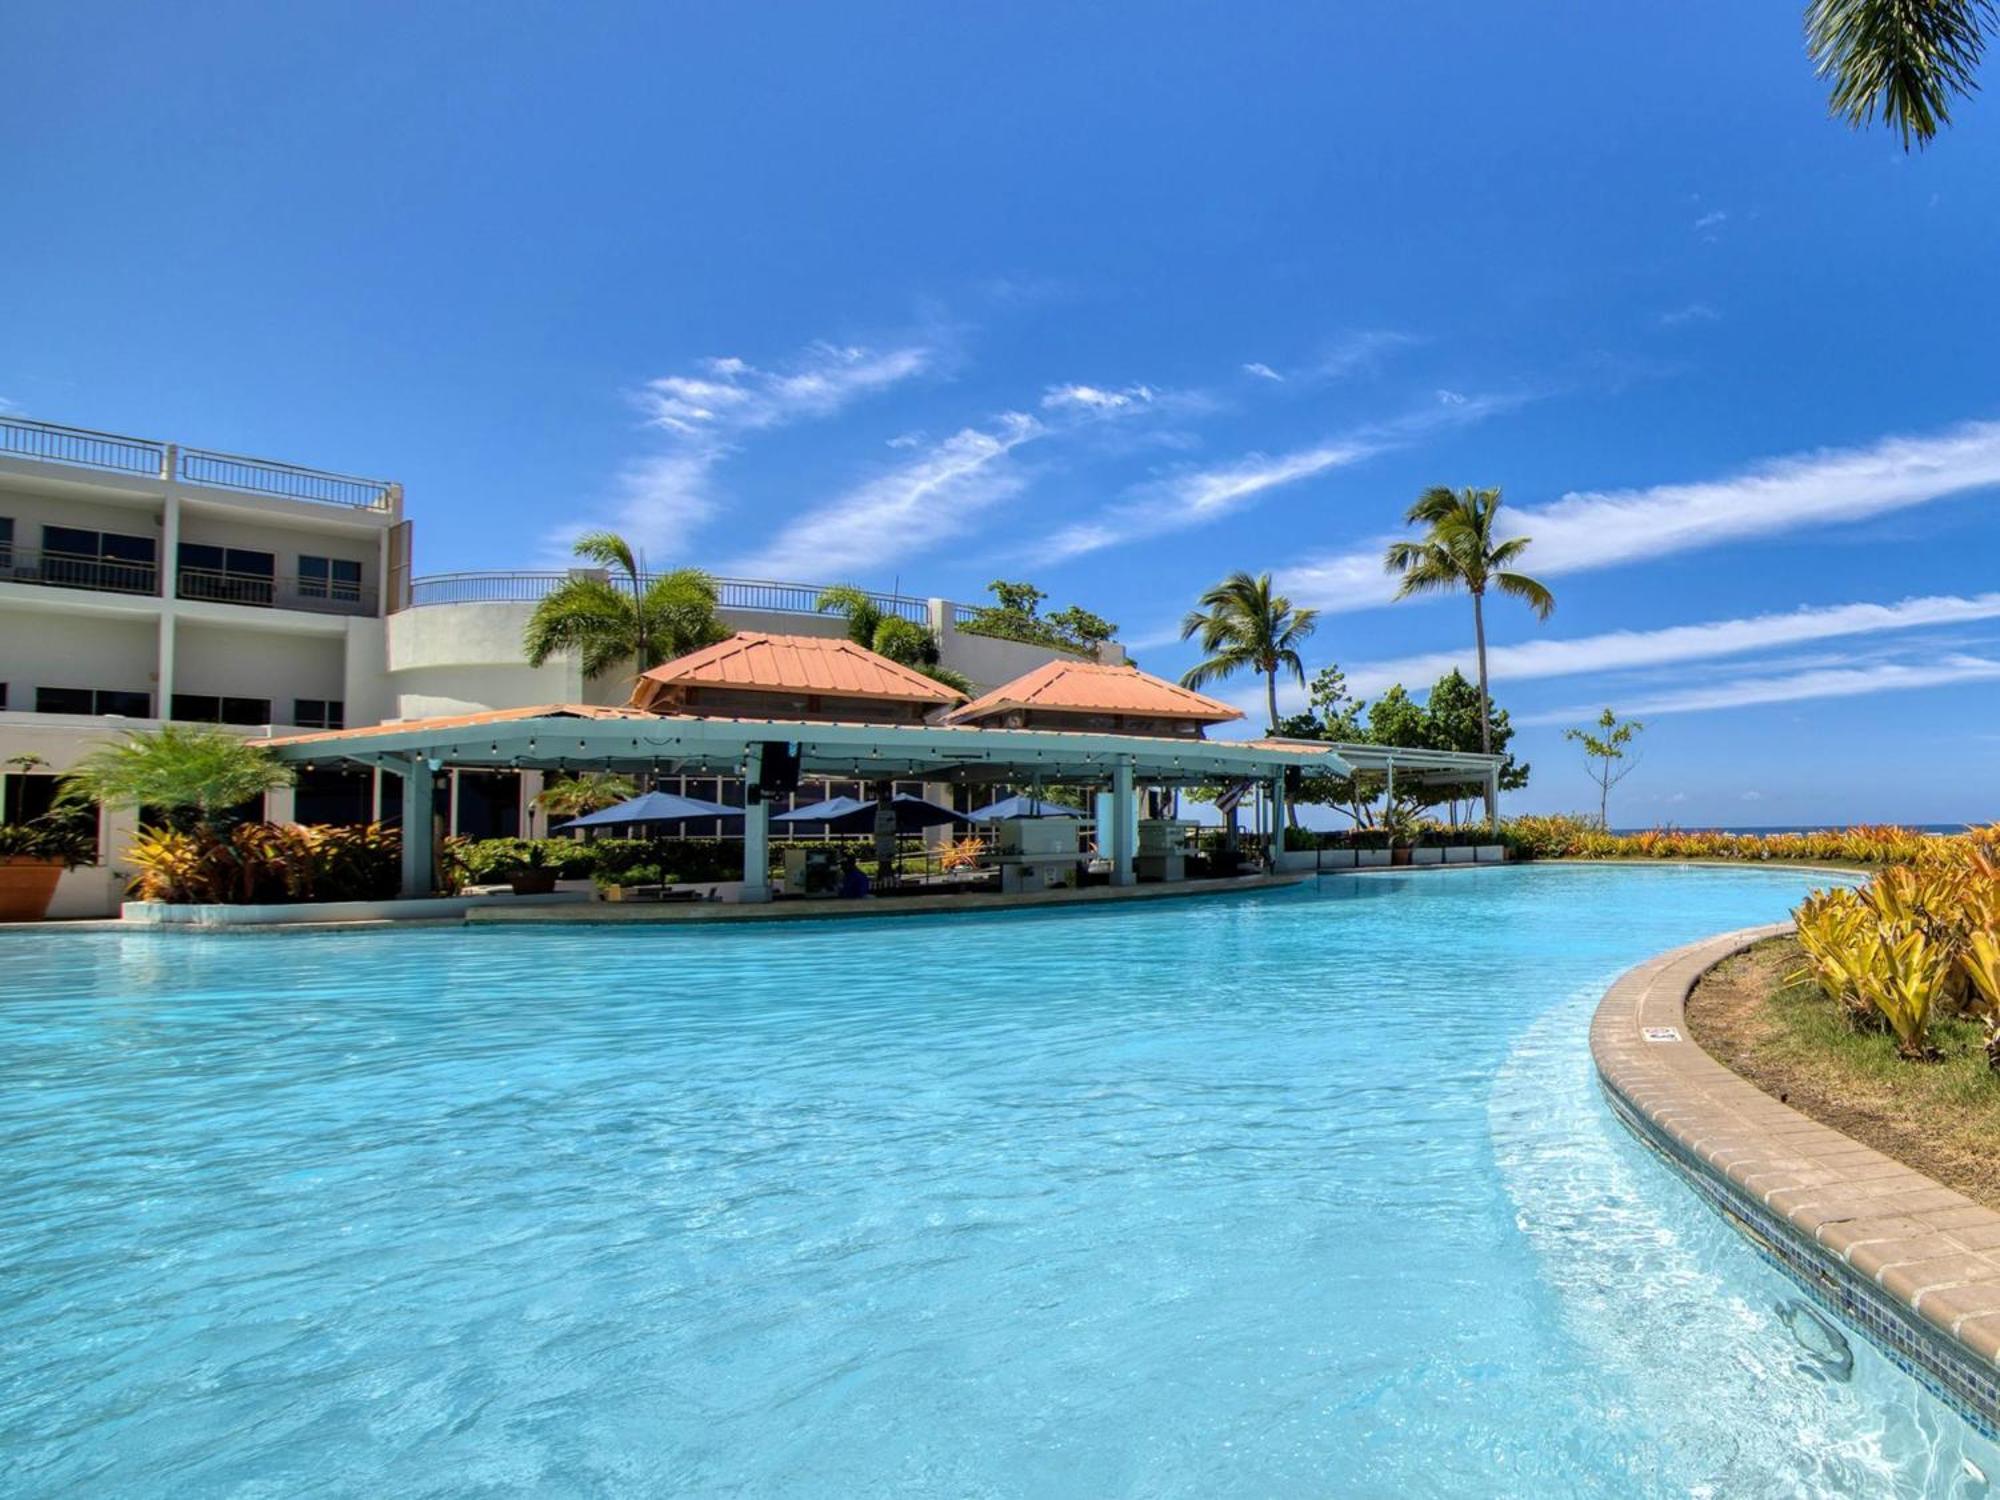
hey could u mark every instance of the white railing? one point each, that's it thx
(732, 593)
(79, 447)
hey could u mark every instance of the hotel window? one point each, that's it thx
(78, 559)
(329, 578)
(319, 713)
(199, 708)
(6, 543)
(53, 700)
(228, 575)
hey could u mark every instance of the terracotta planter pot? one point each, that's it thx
(1400, 855)
(532, 882)
(27, 886)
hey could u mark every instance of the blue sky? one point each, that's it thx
(1113, 298)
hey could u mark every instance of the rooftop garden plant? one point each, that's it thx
(1015, 615)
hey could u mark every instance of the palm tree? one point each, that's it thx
(586, 792)
(643, 621)
(902, 641)
(1458, 551)
(1242, 624)
(193, 773)
(1905, 58)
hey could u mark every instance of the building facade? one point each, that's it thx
(144, 582)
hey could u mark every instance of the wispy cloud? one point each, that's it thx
(1620, 650)
(659, 500)
(1693, 312)
(1090, 398)
(1713, 219)
(903, 511)
(1195, 497)
(1823, 682)
(1599, 529)
(1261, 370)
(1190, 499)
(1355, 352)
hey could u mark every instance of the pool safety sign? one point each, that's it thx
(1660, 1033)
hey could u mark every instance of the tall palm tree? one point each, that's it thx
(1243, 625)
(1458, 551)
(1905, 58)
(640, 620)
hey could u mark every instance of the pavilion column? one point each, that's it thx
(1123, 814)
(419, 833)
(1277, 819)
(756, 830)
(884, 793)
(1493, 798)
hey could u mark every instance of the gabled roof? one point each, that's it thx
(754, 661)
(1096, 688)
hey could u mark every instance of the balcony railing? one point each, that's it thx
(72, 570)
(732, 593)
(47, 442)
(318, 595)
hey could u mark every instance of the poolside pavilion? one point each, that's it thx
(774, 710)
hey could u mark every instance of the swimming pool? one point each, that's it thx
(1308, 1192)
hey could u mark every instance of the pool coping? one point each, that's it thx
(1913, 1264)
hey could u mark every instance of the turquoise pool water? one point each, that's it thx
(1303, 1193)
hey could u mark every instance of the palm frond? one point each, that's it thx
(587, 615)
(1906, 59)
(1532, 593)
(609, 550)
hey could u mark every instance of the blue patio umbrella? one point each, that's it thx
(851, 815)
(1024, 807)
(651, 807)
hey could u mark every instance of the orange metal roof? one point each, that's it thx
(759, 662)
(1097, 687)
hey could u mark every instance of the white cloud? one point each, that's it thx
(1753, 796)
(906, 440)
(1450, 398)
(1713, 219)
(733, 396)
(1203, 495)
(1090, 398)
(1621, 649)
(1599, 529)
(1261, 370)
(659, 500)
(1792, 687)
(1359, 351)
(1694, 312)
(902, 512)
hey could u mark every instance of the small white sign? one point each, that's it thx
(1660, 1033)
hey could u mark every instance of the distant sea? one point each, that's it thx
(1789, 828)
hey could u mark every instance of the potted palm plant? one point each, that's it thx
(1400, 823)
(534, 875)
(33, 857)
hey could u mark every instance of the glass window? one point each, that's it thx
(50, 700)
(229, 575)
(83, 559)
(329, 578)
(197, 708)
(26, 796)
(6, 541)
(131, 705)
(319, 713)
(333, 794)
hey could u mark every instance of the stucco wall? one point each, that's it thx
(253, 663)
(75, 651)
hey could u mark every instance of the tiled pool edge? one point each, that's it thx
(1912, 1263)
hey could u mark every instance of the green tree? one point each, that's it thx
(1459, 550)
(195, 774)
(903, 641)
(1608, 755)
(574, 796)
(1087, 630)
(1905, 59)
(1332, 714)
(1244, 626)
(1014, 616)
(1452, 707)
(639, 620)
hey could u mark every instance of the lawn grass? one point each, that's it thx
(1942, 1117)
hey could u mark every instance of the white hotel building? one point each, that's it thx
(142, 581)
